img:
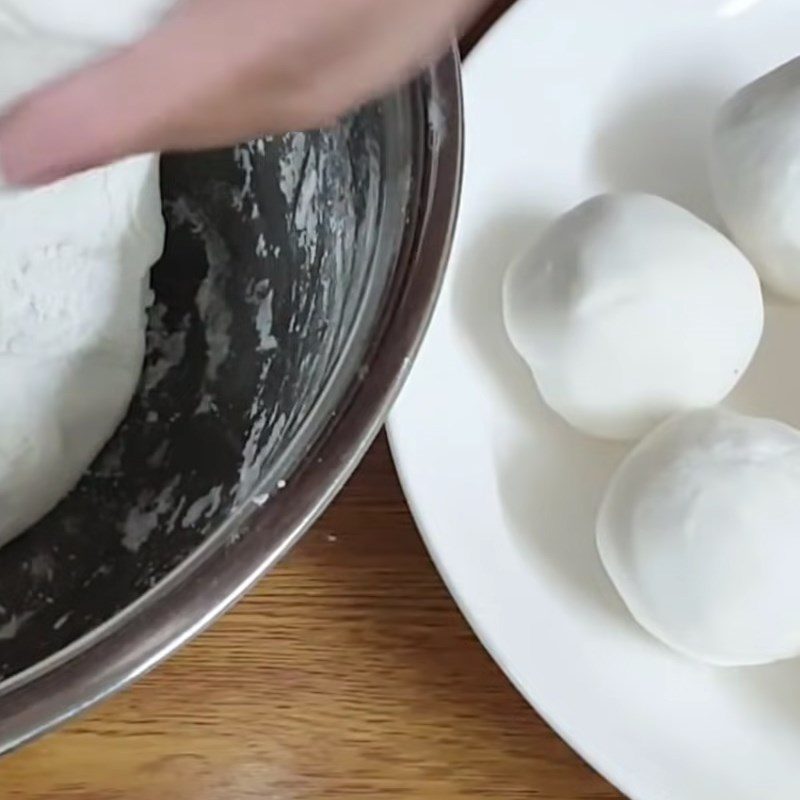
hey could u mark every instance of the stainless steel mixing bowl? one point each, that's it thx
(299, 276)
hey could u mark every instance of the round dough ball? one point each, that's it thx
(700, 533)
(630, 309)
(755, 162)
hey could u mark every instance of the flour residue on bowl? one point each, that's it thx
(204, 507)
(261, 295)
(14, 625)
(150, 513)
(320, 245)
(268, 258)
(169, 347)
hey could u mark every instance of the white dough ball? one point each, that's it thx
(700, 533)
(755, 169)
(630, 309)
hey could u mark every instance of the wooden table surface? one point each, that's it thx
(349, 673)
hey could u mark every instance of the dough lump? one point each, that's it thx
(755, 162)
(700, 533)
(630, 309)
(74, 264)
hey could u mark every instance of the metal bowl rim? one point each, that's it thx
(92, 669)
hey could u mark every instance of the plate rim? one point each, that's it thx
(608, 770)
(621, 778)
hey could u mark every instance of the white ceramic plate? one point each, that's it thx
(566, 98)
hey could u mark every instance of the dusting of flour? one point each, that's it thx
(74, 264)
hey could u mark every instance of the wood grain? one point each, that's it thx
(348, 673)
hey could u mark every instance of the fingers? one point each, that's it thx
(218, 72)
(183, 87)
(72, 125)
(111, 109)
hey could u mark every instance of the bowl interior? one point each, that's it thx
(278, 255)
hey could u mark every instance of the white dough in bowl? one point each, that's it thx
(630, 309)
(74, 262)
(74, 265)
(102, 23)
(42, 40)
(700, 533)
(755, 169)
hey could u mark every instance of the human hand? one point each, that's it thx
(220, 71)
